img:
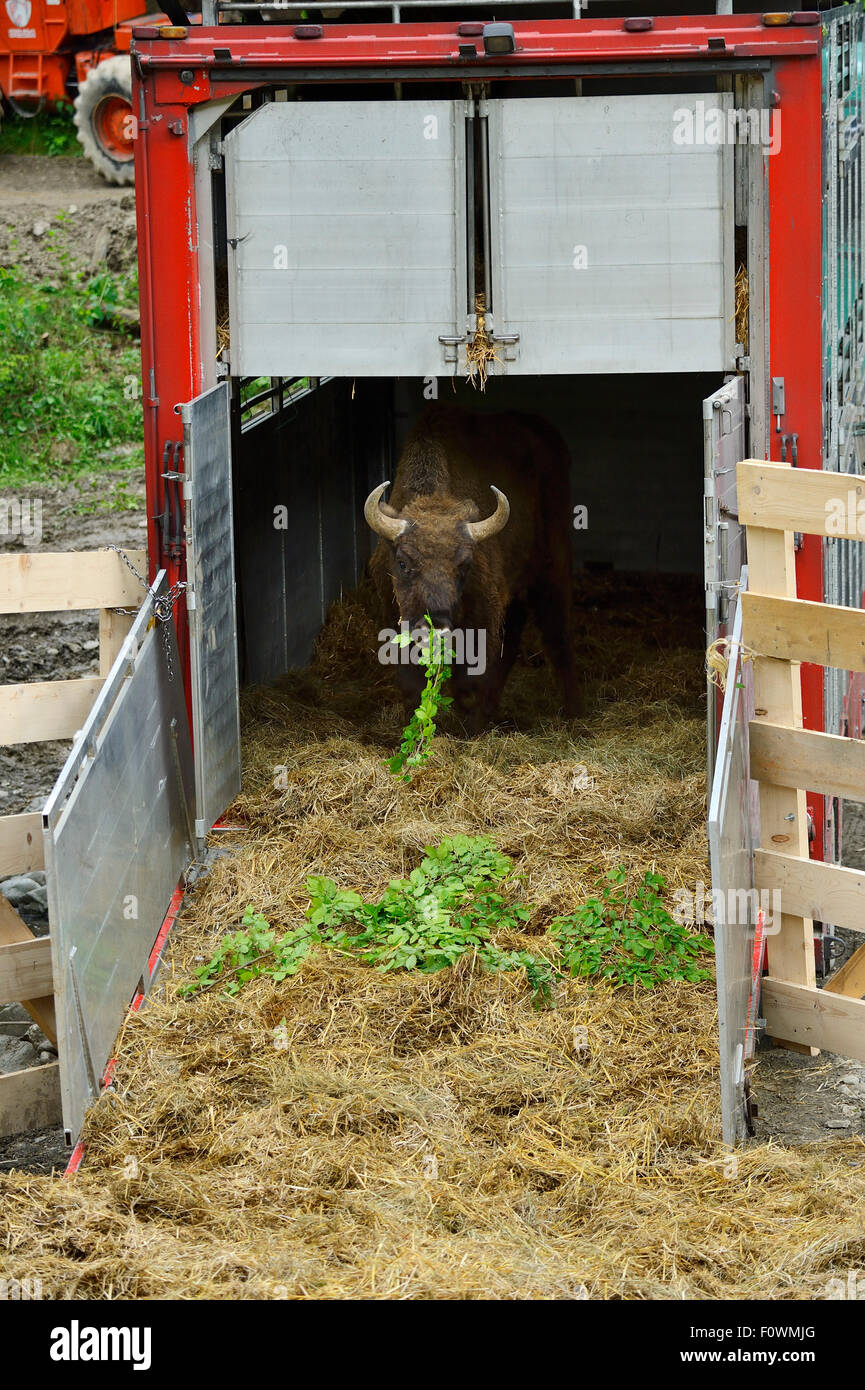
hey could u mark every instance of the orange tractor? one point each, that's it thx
(75, 50)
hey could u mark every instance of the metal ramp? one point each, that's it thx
(733, 829)
(118, 832)
(724, 443)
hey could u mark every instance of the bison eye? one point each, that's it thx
(402, 566)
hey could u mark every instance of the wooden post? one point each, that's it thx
(783, 810)
(13, 929)
(113, 629)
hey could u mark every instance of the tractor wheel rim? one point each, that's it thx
(112, 121)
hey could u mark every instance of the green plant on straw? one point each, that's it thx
(629, 937)
(449, 906)
(453, 904)
(417, 737)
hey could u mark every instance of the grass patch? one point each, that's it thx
(70, 396)
(51, 132)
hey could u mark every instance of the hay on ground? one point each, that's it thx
(349, 1134)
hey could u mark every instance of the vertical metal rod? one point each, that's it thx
(485, 195)
(470, 212)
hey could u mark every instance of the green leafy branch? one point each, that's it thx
(417, 737)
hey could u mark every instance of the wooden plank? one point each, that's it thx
(21, 844)
(783, 811)
(849, 978)
(804, 758)
(25, 970)
(801, 499)
(46, 582)
(41, 1010)
(30, 1099)
(794, 629)
(113, 630)
(814, 1017)
(35, 711)
(809, 888)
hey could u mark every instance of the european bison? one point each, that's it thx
(442, 553)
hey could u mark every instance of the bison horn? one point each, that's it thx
(482, 530)
(388, 526)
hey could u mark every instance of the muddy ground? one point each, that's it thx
(57, 214)
(53, 208)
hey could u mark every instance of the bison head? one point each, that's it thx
(431, 544)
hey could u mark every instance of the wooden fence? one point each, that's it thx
(775, 502)
(33, 712)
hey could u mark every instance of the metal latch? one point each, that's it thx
(509, 342)
(451, 343)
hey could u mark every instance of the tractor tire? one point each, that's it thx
(103, 118)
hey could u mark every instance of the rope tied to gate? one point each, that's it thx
(481, 351)
(719, 656)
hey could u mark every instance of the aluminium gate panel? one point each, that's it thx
(612, 237)
(732, 827)
(724, 444)
(211, 601)
(346, 230)
(118, 837)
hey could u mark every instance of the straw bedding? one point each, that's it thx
(348, 1134)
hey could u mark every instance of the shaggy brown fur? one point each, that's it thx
(443, 481)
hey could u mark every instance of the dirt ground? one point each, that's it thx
(57, 213)
(52, 207)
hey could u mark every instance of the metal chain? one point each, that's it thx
(163, 605)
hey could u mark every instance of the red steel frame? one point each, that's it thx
(172, 75)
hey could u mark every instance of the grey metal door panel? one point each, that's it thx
(308, 465)
(612, 249)
(346, 225)
(211, 603)
(724, 444)
(118, 837)
(732, 834)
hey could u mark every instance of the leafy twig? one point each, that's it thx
(416, 746)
